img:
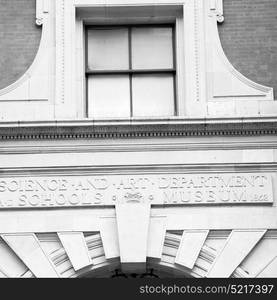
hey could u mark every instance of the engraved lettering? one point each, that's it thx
(53, 185)
(98, 198)
(225, 195)
(22, 200)
(239, 196)
(61, 199)
(13, 186)
(198, 196)
(34, 200)
(168, 197)
(211, 196)
(74, 200)
(163, 183)
(3, 185)
(161, 189)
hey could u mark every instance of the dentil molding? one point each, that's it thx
(84, 129)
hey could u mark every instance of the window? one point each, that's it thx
(130, 71)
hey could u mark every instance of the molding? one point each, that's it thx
(111, 130)
(107, 3)
(240, 273)
(208, 254)
(271, 234)
(138, 147)
(60, 50)
(197, 48)
(102, 267)
(172, 240)
(60, 259)
(218, 234)
(144, 169)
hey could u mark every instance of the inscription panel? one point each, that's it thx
(157, 189)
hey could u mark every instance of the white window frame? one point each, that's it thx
(130, 18)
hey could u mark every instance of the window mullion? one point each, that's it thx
(130, 68)
(174, 76)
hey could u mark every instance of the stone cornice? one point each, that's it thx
(89, 129)
(143, 169)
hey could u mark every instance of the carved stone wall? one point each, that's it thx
(192, 196)
(248, 37)
(183, 254)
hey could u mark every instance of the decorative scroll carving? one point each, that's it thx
(80, 130)
(159, 189)
(41, 9)
(216, 7)
(133, 197)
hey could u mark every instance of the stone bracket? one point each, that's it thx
(216, 6)
(41, 9)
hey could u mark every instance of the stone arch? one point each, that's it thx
(44, 255)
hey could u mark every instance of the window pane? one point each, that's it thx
(109, 96)
(152, 48)
(108, 49)
(153, 95)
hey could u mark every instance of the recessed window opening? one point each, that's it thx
(130, 71)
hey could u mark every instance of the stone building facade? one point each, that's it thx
(138, 138)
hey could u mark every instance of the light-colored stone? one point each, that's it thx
(27, 247)
(109, 235)
(136, 221)
(262, 255)
(10, 264)
(236, 248)
(270, 270)
(156, 235)
(133, 226)
(203, 71)
(158, 189)
(190, 247)
(216, 218)
(76, 249)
